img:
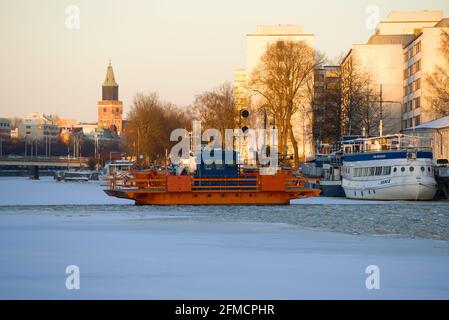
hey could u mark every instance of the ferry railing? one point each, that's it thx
(226, 184)
(223, 184)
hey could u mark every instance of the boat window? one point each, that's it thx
(412, 169)
(428, 169)
(402, 169)
(395, 169)
(423, 169)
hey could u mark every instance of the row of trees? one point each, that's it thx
(151, 121)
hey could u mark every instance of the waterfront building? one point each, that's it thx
(326, 104)
(5, 129)
(421, 56)
(38, 126)
(393, 59)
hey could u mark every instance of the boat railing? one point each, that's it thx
(207, 184)
(387, 143)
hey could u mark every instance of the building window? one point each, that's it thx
(417, 48)
(104, 110)
(417, 120)
(117, 110)
(409, 106)
(417, 66)
(417, 102)
(417, 85)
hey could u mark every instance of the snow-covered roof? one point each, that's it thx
(435, 124)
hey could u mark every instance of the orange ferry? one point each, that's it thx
(212, 185)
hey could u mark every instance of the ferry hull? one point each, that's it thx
(211, 198)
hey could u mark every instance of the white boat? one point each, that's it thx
(76, 175)
(394, 167)
(117, 167)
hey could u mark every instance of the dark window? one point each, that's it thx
(395, 169)
(104, 109)
(402, 169)
(423, 169)
(412, 169)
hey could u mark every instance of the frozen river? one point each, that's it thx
(317, 248)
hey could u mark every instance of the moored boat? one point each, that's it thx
(394, 167)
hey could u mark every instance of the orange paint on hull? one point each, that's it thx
(212, 198)
(150, 188)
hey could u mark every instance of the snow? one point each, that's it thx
(126, 255)
(440, 123)
(47, 191)
(185, 252)
(336, 200)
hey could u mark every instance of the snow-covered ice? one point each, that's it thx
(131, 256)
(47, 191)
(186, 252)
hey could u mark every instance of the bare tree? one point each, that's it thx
(150, 123)
(356, 89)
(216, 108)
(439, 81)
(282, 79)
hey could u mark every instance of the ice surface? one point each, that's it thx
(46, 191)
(146, 254)
(185, 252)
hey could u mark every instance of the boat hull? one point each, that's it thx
(409, 188)
(210, 198)
(332, 189)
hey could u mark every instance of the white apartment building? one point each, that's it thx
(408, 22)
(5, 129)
(382, 58)
(420, 57)
(38, 126)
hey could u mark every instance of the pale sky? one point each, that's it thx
(176, 48)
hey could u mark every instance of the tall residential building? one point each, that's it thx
(326, 104)
(382, 59)
(240, 95)
(408, 22)
(256, 46)
(110, 108)
(421, 56)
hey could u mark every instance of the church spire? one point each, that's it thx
(110, 79)
(110, 87)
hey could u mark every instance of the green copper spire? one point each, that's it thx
(110, 79)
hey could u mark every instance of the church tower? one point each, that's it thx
(110, 108)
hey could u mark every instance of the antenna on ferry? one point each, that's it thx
(381, 116)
